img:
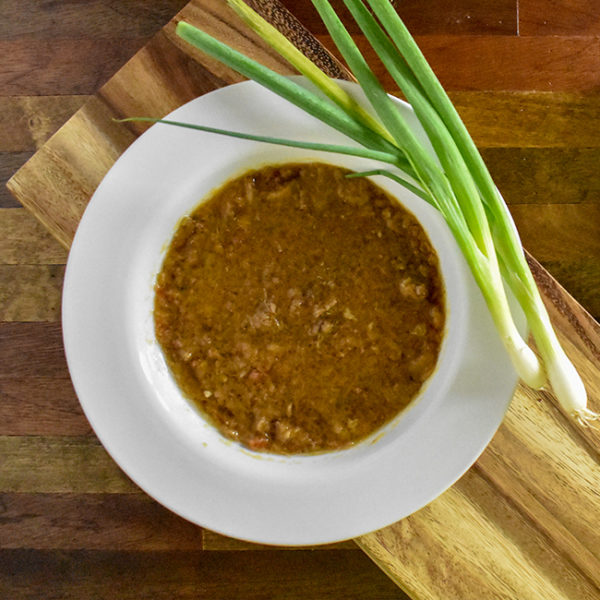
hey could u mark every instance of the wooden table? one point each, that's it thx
(72, 526)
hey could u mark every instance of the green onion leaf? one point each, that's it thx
(306, 67)
(328, 113)
(349, 150)
(394, 177)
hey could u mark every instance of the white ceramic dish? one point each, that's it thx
(163, 443)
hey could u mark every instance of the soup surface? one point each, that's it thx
(298, 309)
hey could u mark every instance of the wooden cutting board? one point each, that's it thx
(523, 522)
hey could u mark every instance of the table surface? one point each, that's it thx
(65, 531)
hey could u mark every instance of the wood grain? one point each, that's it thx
(529, 175)
(40, 406)
(559, 17)
(564, 226)
(25, 241)
(454, 17)
(51, 464)
(10, 162)
(216, 542)
(92, 522)
(27, 122)
(193, 575)
(92, 19)
(581, 278)
(500, 120)
(30, 292)
(507, 63)
(566, 237)
(530, 119)
(70, 61)
(32, 350)
(59, 170)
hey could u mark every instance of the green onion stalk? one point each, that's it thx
(454, 180)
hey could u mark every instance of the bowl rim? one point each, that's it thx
(143, 442)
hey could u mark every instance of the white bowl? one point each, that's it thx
(163, 443)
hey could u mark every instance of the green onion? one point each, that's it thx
(395, 177)
(306, 67)
(350, 150)
(331, 114)
(454, 180)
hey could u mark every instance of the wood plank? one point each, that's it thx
(545, 175)
(566, 231)
(544, 485)
(499, 119)
(27, 122)
(92, 19)
(503, 63)
(70, 521)
(25, 241)
(216, 542)
(494, 119)
(10, 162)
(559, 17)
(197, 575)
(581, 278)
(60, 464)
(40, 406)
(58, 66)
(571, 321)
(32, 350)
(30, 292)
(93, 522)
(453, 17)
(565, 238)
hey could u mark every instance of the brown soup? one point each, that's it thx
(300, 310)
